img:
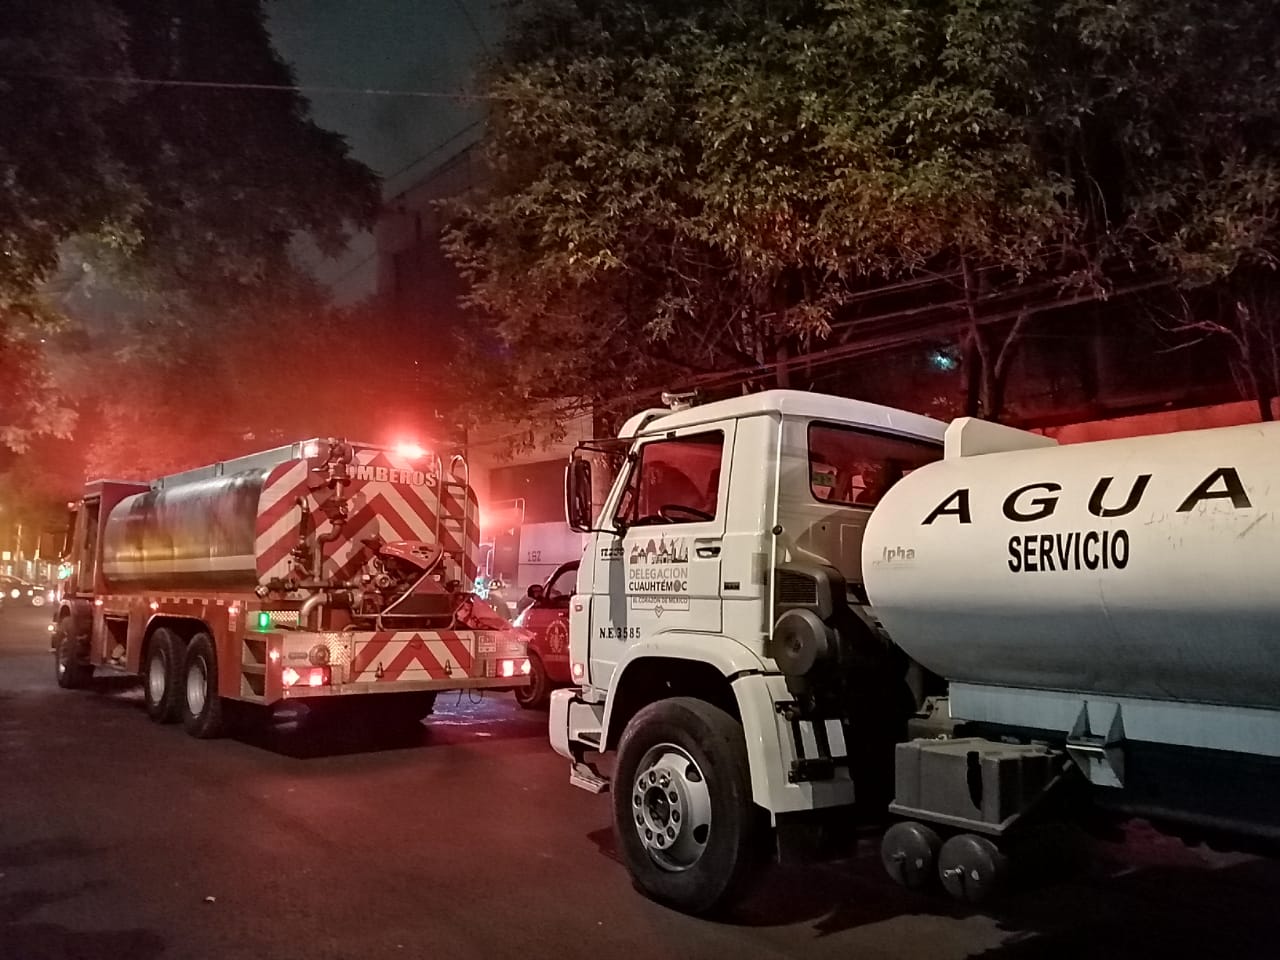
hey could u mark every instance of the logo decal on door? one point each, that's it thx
(658, 574)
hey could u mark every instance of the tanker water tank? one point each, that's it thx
(1143, 567)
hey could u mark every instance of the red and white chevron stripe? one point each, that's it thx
(392, 510)
(404, 655)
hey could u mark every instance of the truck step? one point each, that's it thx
(586, 777)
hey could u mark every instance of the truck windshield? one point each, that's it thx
(675, 480)
(855, 467)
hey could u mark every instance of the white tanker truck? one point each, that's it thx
(797, 607)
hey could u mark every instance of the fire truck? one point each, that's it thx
(318, 570)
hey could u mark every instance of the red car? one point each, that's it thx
(547, 618)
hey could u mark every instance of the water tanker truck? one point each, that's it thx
(318, 570)
(797, 609)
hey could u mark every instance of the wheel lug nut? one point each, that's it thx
(675, 816)
(671, 833)
(674, 798)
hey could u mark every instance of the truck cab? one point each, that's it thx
(720, 633)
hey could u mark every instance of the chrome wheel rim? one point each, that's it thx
(197, 688)
(671, 807)
(156, 678)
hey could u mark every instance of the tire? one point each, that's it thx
(718, 832)
(202, 708)
(538, 692)
(71, 671)
(161, 676)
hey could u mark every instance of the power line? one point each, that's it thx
(434, 150)
(266, 87)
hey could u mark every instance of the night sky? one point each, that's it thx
(421, 45)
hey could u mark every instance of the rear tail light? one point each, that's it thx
(579, 670)
(525, 667)
(313, 677)
(507, 668)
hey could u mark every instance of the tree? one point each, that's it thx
(703, 191)
(189, 195)
(676, 193)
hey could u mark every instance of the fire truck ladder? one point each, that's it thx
(451, 527)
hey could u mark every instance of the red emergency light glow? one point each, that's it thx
(154, 605)
(318, 677)
(410, 451)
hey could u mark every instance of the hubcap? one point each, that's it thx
(671, 807)
(156, 678)
(197, 688)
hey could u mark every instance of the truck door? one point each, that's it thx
(85, 559)
(661, 573)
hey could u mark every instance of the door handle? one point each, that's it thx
(706, 550)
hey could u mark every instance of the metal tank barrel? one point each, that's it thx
(1145, 567)
(197, 535)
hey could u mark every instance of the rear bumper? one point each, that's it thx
(402, 686)
(282, 665)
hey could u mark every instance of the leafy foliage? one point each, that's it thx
(190, 197)
(679, 190)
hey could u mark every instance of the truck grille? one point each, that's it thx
(796, 590)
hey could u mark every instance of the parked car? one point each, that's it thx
(23, 591)
(547, 618)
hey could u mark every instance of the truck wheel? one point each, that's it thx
(909, 852)
(971, 868)
(538, 692)
(682, 807)
(160, 678)
(71, 671)
(201, 705)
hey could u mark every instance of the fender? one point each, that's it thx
(716, 650)
(755, 688)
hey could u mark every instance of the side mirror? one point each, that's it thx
(577, 495)
(535, 592)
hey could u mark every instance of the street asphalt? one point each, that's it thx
(123, 839)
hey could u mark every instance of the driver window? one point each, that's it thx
(674, 481)
(564, 586)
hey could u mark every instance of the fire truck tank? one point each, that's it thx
(1137, 568)
(236, 525)
(198, 535)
